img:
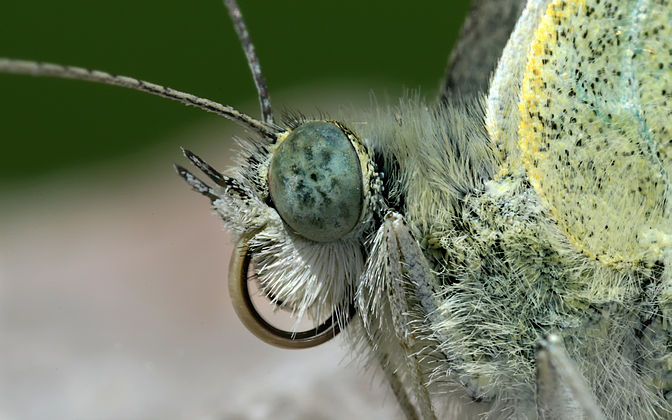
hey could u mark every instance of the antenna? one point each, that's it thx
(252, 60)
(35, 68)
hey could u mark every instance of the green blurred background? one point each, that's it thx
(48, 125)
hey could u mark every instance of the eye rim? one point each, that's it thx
(364, 173)
(257, 325)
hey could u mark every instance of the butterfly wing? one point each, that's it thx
(502, 114)
(595, 125)
(482, 38)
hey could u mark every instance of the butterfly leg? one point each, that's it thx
(562, 393)
(397, 385)
(394, 287)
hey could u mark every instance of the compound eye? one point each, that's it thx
(315, 181)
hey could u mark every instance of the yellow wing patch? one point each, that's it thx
(595, 131)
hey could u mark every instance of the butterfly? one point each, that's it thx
(516, 248)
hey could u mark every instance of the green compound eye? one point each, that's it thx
(315, 182)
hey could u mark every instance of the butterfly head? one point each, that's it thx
(301, 205)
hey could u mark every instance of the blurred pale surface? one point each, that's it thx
(113, 305)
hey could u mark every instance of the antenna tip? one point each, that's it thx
(179, 169)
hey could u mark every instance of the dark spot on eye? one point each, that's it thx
(325, 197)
(317, 222)
(307, 198)
(296, 170)
(313, 176)
(300, 186)
(326, 157)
